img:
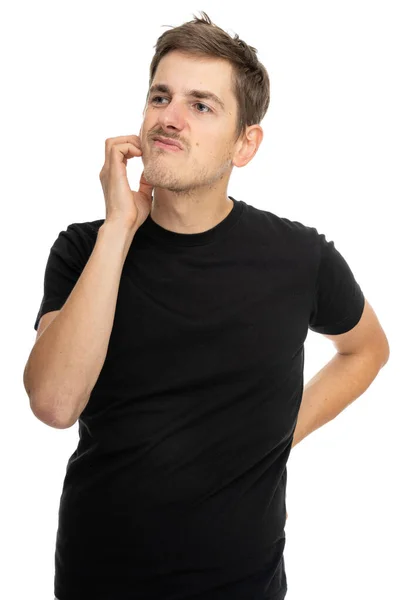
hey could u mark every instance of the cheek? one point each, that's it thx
(211, 146)
(219, 150)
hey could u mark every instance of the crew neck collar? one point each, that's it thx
(162, 235)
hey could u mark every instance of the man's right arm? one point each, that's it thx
(67, 358)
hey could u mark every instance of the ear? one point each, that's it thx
(249, 146)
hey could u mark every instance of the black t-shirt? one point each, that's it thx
(176, 489)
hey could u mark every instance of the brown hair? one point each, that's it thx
(250, 82)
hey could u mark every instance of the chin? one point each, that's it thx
(158, 176)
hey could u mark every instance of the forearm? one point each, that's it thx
(343, 379)
(67, 358)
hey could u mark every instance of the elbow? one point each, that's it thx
(386, 353)
(49, 417)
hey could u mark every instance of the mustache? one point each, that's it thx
(167, 137)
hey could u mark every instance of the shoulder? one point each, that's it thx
(283, 228)
(88, 228)
(76, 240)
(81, 231)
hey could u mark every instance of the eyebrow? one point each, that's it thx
(201, 94)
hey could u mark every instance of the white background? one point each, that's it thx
(76, 73)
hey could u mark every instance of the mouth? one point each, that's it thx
(167, 144)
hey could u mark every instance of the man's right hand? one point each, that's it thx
(123, 205)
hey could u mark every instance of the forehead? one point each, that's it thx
(182, 72)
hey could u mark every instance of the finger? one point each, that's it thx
(122, 151)
(111, 142)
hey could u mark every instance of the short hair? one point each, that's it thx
(201, 37)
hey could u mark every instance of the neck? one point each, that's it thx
(189, 213)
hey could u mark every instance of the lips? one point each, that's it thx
(168, 141)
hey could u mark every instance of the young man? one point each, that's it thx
(173, 331)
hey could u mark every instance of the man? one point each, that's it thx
(173, 331)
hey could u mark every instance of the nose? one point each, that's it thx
(172, 115)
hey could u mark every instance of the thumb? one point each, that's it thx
(145, 187)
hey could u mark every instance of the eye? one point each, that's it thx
(156, 97)
(201, 104)
(195, 104)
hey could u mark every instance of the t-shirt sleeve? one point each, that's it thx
(338, 301)
(67, 259)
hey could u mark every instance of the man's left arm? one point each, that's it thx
(361, 353)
